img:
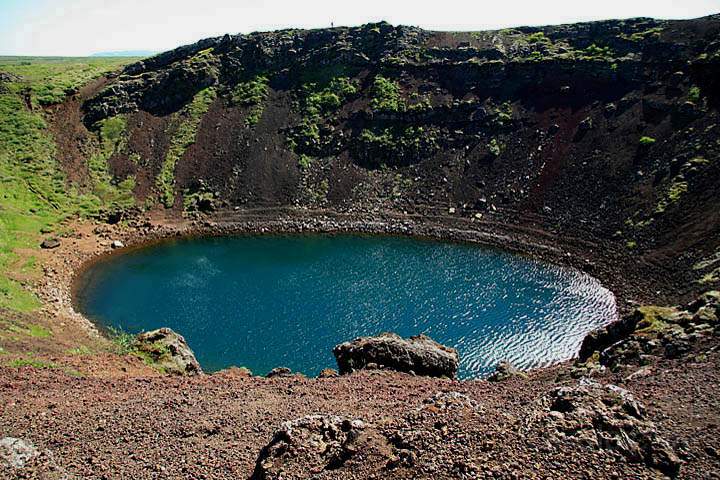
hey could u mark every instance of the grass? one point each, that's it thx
(186, 123)
(35, 197)
(50, 79)
(252, 94)
(30, 330)
(30, 362)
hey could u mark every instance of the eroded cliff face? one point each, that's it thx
(608, 129)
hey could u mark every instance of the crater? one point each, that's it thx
(262, 301)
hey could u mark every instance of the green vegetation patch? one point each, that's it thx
(186, 124)
(30, 330)
(317, 104)
(652, 33)
(645, 141)
(694, 94)
(386, 95)
(252, 93)
(49, 80)
(597, 52)
(655, 319)
(672, 196)
(34, 194)
(113, 195)
(397, 145)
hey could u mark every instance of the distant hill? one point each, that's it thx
(126, 53)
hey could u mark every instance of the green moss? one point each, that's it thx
(672, 196)
(397, 145)
(631, 244)
(185, 125)
(113, 195)
(494, 148)
(654, 319)
(646, 141)
(81, 350)
(596, 52)
(305, 161)
(252, 93)
(641, 36)
(538, 37)
(386, 95)
(694, 94)
(317, 105)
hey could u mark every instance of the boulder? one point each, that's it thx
(312, 444)
(279, 372)
(609, 417)
(602, 338)
(117, 244)
(504, 371)
(49, 243)
(168, 351)
(420, 355)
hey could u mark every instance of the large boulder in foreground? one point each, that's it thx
(420, 355)
(168, 351)
(315, 444)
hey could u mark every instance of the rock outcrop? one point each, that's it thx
(316, 443)
(504, 371)
(652, 330)
(608, 417)
(419, 355)
(168, 351)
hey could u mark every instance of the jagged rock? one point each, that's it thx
(420, 355)
(503, 371)
(316, 443)
(609, 417)
(169, 351)
(50, 243)
(602, 338)
(16, 452)
(279, 372)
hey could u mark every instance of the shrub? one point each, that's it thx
(597, 52)
(538, 37)
(386, 95)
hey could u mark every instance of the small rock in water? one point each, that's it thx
(117, 244)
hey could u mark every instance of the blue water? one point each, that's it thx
(268, 301)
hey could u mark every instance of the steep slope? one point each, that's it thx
(605, 129)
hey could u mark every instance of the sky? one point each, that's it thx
(83, 27)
